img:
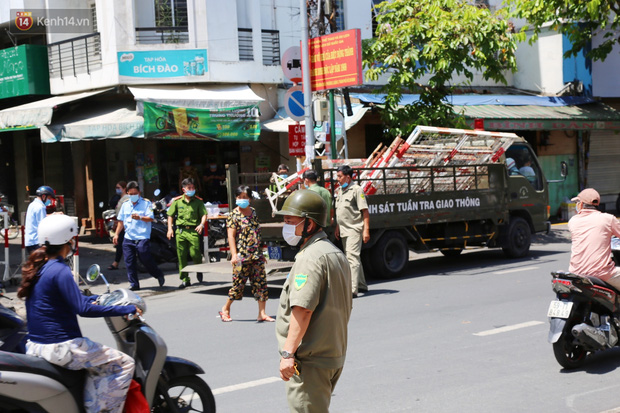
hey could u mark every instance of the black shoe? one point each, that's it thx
(199, 277)
(184, 284)
(134, 288)
(161, 281)
(362, 289)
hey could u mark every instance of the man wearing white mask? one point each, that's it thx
(37, 210)
(352, 224)
(191, 216)
(315, 306)
(135, 216)
(591, 231)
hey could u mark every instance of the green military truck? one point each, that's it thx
(440, 190)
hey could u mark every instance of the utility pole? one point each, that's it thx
(307, 87)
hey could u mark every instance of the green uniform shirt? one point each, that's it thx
(349, 206)
(320, 280)
(187, 213)
(325, 194)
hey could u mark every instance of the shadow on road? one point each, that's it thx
(477, 262)
(599, 363)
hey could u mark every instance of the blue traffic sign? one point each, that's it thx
(294, 103)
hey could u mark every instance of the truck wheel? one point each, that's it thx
(390, 255)
(369, 270)
(519, 238)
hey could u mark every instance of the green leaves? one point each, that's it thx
(428, 41)
(578, 20)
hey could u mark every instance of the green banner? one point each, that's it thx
(229, 124)
(24, 71)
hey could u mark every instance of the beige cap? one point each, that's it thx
(588, 196)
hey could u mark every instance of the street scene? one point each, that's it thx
(475, 330)
(309, 206)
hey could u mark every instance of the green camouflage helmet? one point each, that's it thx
(306, 204)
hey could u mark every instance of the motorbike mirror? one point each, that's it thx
(93, 272)
(157, 192)
(100, 204)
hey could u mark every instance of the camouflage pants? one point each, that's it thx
(109, 371)
(255, 272)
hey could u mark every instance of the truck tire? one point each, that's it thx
(369, 270)
(519, 238)
(390, 255)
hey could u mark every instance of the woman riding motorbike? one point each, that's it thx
(52, 302)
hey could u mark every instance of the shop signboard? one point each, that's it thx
(24, 71)
(297, 140)
(227, 124)
(186, 64)
(336, 60)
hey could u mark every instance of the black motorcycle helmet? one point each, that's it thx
(306, 204)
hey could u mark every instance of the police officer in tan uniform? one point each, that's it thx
(315, 306)
(352, 224)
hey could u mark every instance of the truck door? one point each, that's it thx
(527, 187)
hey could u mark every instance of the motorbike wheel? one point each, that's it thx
(189, 394)
(569, 355)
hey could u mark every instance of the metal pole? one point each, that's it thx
(332, 123)
(305, 62)
(4, 216)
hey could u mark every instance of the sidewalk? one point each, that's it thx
(93, 250)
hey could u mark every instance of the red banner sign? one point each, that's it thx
(297, 140)
(336, 60)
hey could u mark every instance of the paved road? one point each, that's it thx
(451, 335)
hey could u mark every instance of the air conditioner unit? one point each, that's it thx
(320, 110)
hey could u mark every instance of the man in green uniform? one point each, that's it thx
(191, 216)
(315, 306)
(352, 224)
(310, 178)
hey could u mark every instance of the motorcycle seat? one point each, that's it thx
(601, 283)
(73, 380)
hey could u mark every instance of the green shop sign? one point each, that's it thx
(229, 124)
(24, 71)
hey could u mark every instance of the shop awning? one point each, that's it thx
(281, 121)
(104, 122)
(207, 97)
(524, 112)
(33, 115)
(592, 116)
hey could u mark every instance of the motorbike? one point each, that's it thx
(169, 384)
(12, 329)
(12, 225)
(162, 248)
(583, 319)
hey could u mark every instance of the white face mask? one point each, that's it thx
(288, 233)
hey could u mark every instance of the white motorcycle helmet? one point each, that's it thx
(57, 230)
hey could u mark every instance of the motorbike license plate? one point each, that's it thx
(559, 309)
(275, 253)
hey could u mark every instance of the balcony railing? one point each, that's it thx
(270, 44)
(74, 56)
(162, 34)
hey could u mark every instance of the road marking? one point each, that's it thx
(516, 270)
(509, 328)
(246, 385)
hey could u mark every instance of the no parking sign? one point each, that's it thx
(294, 103)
